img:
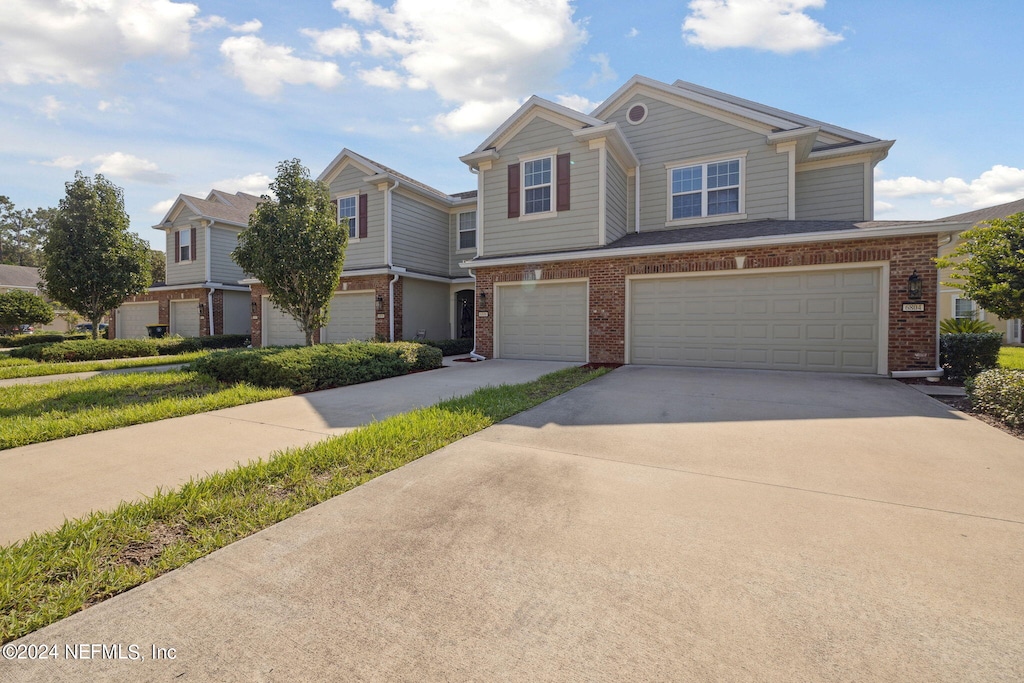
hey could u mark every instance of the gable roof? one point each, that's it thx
(991, 213)
(19, 277)
(377, 168)
(219, 206)
(530, 107)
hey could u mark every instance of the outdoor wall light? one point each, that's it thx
(253, 306)
(914, 286)
(380, 303)
(483, 300)
(202, 310)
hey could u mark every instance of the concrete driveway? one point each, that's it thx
(655, 524)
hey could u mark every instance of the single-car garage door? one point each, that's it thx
(542, 321)
(279, 328)
(352, 317)
(823, 320)
(132, 319)
(185, 318)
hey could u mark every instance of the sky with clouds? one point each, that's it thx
(167, 96)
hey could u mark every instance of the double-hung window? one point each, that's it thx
(964, 309)
(537, 186)
(467, 230)
(185, 245)
(348, 208)
(707, 189)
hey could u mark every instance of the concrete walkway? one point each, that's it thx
(46, 379)
(45, 483)
(656, 524)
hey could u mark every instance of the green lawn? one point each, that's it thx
(1012, 357)
(11, 368)
(31, 413)
(53, 575)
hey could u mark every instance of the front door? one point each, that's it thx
(464, 314)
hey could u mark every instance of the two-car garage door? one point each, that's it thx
(822, 320)
(352, 317)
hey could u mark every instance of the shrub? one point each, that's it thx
(999, 393)
(965, 355)
(311, 368)
(224, 341)
(87, 349)
(451, 347)
(175, 346)
(26, 339)
(965, 326)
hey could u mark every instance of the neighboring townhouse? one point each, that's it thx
(203, 293)
(26, 279)
(401, 278)
(677, 225)
(952, 303)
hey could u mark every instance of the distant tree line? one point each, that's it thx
(22, 233)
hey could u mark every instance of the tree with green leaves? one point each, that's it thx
(296, 247)
(18, 307)
(22, 232)
(157, 266)
(988, 266)
(92, 262)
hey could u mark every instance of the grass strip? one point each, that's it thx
(33, 413)
(11, 368)
(1011, 357)
(55, 574)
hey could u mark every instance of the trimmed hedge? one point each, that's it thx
(965, 355)
(311, 368)
(451, 347)
(86, 349)
(29, 339)
(999, 393)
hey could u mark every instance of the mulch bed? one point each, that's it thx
(963, 404)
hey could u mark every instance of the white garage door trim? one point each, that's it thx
(371, 310)
(883, 296)
(268, 340)
(175, 304)
(495, 308)
(122, 328)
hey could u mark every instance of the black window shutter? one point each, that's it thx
(513, 190)
(362, 215)
(177, 246)
(562, 183)
(192, 250)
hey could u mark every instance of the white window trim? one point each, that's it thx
(553, 185)
(978, 313)
(338, 215)
(458, 231)
(186, 233)
(703, 162)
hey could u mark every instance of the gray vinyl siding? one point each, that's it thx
(237, 313)
(420, 233)
(454, 255)
(425, 307)
(831, 193)
(617, 202)
(186, 272)
(576, 228)
(222, 242)
(369, 251)
(671, 134)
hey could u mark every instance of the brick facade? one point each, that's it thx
(912, 336)
(164, 299)
(377, 283)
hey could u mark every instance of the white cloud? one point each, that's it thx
(773, 25)
(118, 105)
(633, 32)
(336, 41)
(998, 185)
(264, 68)
(254, 183)
(251, 26)
(128, 167)
(476, 115)
(50, 107)
(884, 207)
(65, 162)
(214, 21)
(505, 50)
(77, 41)
(380, 77)
(577, 102)
(604, 73)
(161, 208)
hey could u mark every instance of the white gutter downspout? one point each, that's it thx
(388, 255)
(209, 309)
(209, 274)
(473, 354)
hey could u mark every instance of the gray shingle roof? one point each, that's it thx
(729, 231)
(19, 276)
(238, 211)
(991, 213)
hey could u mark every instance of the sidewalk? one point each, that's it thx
(46, 379)
(45, 483)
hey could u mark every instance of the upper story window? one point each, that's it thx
(185, 251)
(707, 189)
(467, 230)
(537, 186)
(347, 208)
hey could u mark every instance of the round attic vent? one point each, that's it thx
(637, 114)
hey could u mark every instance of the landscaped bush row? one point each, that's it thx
(965, 355)
(451, 347)
(310, 368)
(172, 346)
(86, 349)
(27, 339)
(999, 393)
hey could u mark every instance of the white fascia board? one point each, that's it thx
(332, 168)
(803, 137)
(526, 107)
(473, 160)
(616, 140)
(878, 149)
(206, 285)
(717, 245)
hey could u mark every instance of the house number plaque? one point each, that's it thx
(913, 307)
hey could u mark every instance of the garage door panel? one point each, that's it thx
(185, 318)
(744, 321)
(352, 317)
(549, 321)
(280, 329)
(132, 319)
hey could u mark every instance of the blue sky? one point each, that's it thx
(168, 97)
